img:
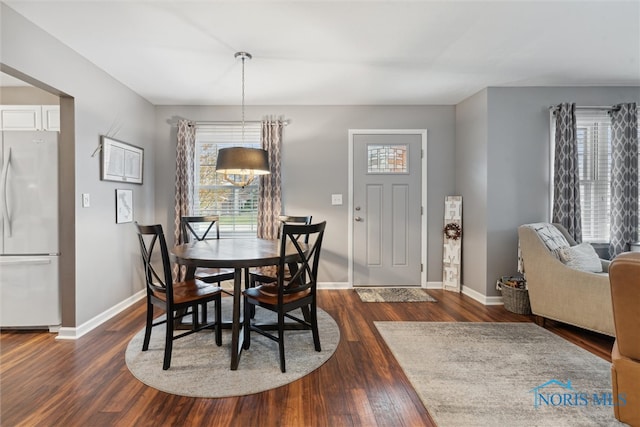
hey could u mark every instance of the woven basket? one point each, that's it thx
(515, 300)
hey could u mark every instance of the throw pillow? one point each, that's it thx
(581, 257)
(553, 238)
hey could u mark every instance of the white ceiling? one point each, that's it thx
(346, 52)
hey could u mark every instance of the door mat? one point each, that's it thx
(394, 295)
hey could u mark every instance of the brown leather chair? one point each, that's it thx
(624, 275)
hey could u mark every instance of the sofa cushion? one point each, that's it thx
(553, 238)
(581, 257)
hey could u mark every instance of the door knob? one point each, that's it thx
(358, 219)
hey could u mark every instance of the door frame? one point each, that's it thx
(423, 202)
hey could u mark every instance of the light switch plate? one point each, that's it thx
(336, 199)
(86, 200)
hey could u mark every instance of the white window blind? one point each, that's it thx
(594, 160)
(236, 206)
(594, 157)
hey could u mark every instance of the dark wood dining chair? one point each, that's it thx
(199, 228)
(291, 293)
(268, 273)
(173, 297)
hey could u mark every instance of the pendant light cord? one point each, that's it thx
(243, 58)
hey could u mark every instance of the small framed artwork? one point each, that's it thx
(124, 206)
(120, 161)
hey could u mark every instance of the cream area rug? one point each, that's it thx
(199, 368)
(501, 374)
(394, 295)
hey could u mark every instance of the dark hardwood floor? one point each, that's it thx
(44, 382)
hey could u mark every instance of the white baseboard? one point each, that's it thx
(346, 285)
(493, 301)
(482, 299)
(65, 333)
(334, 285)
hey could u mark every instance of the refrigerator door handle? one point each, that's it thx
(3, 182)
(24, 261)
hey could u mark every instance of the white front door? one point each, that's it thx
(386, 207)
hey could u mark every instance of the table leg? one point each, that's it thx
(236, 326)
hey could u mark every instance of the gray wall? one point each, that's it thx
(106, 258)
(471, 184)
(514, 157)
(315, 165)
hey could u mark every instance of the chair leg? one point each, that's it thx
(194, 317)
(281, 340)
(305, 313)
(246, 343)
(252, 284)
(314, 327)
(168, 342)
(149, 325)
(218, 331)
(203, 318)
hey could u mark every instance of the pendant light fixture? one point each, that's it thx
(244, 162)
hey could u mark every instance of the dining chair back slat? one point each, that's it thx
(267, 274)
(150, 236)
(305, 269)
(191, 226)
(292, 219)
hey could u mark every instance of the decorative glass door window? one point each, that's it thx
(390, 158)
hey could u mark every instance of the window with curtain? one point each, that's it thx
(236, 206)
(594, 156)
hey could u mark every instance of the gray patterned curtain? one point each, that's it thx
(184, 180)
(566, 178)
(270, 196)
(624, 178)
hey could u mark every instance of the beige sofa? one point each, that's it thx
(562, 293)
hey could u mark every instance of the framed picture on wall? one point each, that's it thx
(120, 161)
(124, 206)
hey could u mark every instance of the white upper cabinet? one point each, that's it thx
(21, 117)
(51, 117)
(30, 117)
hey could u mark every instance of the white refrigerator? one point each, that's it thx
(29, 289)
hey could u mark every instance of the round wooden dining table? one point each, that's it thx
(239, 254)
